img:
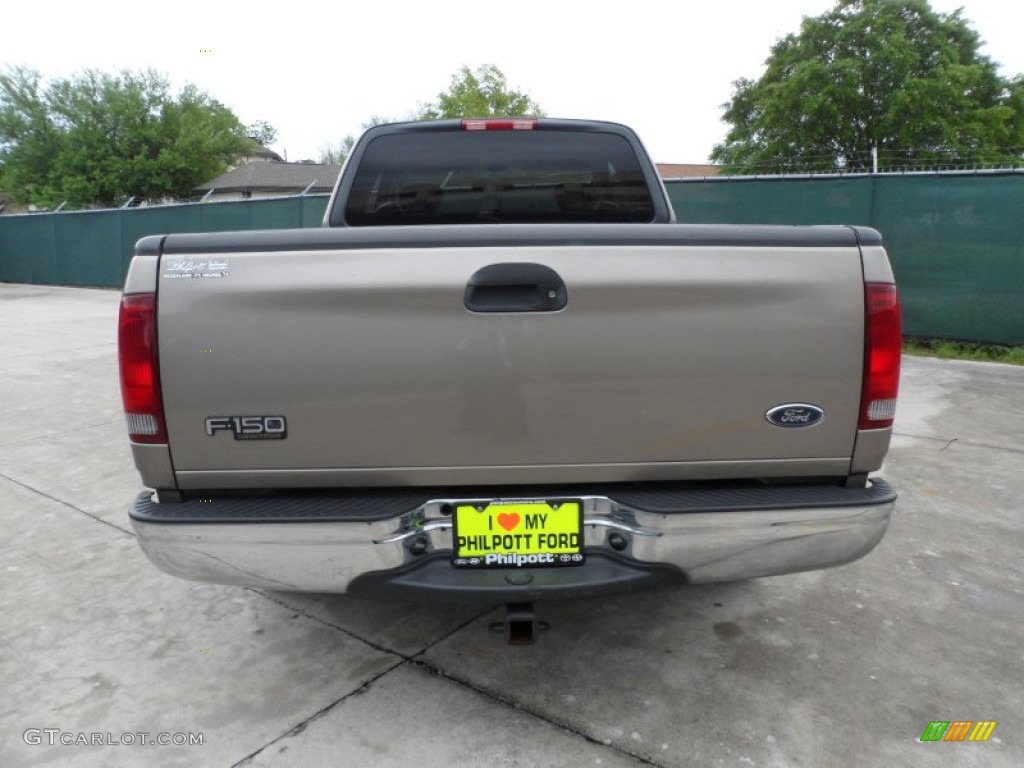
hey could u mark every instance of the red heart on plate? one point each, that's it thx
(508, 520)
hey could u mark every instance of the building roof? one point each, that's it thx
(283, 178)
(260, 152)
(686, 170)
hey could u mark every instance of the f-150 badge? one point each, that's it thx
(248, 427)
(795, 415)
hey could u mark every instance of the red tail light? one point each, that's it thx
(513, 124)
(140, 370)
(883, 339)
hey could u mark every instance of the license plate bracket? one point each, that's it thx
(517, 533)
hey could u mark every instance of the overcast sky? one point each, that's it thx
(317, 70)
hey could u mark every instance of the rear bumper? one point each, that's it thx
(363, 544)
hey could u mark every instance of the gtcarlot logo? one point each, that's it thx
(959, 730)
(55, 736)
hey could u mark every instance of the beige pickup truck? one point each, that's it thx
(502, 372)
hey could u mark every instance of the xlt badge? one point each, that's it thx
(248, 427)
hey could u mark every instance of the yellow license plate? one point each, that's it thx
(518, 534)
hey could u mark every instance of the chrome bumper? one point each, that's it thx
(697, 547)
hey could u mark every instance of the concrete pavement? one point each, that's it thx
(839, 667)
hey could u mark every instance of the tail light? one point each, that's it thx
(883, 338)
(140, 370)
(513, 124)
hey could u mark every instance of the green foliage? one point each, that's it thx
(959, 350)
(890, 74)
(481, 93)
(98, 139)
(378, 120)
(335, 154)
(262, 132)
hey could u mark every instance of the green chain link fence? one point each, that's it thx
(956, 240)
(94, 248)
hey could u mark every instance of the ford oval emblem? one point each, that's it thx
(795, 415)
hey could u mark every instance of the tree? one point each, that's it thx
(335, 154)
(483, 93)
(263, 132)
(99, 139)
(887, 74)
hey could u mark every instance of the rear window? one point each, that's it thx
(474, 177)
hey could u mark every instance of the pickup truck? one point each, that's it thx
(502, 372)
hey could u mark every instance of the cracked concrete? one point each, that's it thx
(840, 667)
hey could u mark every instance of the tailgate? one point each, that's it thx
(673, 344)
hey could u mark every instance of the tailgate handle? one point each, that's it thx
(516, 287)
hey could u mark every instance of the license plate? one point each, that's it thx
(518, 534)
